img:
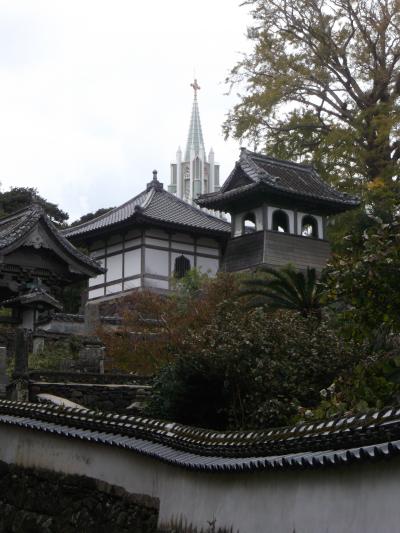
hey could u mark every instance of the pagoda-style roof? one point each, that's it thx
(257, 176)
(31, 227)
(153, 206)
(37, 297)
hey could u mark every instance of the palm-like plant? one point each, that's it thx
(286, 289)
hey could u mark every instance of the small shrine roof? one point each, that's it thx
(256, 173)
(154, 205)
(33, 298)
(16, 228)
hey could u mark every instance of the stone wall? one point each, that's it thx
(41, 501)
(105, 397)
(86, 377)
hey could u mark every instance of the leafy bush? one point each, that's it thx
(248, 369)
(364, 282)
(154, 326)
(371, 384)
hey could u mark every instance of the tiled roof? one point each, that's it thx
(157, 205)
(18, 224)
(261, 172)
(335, 441)
(34, 296)
(15, 227)
(115, 216)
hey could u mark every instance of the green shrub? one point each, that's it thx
(362, 282)
(249, 369)
(371, 384)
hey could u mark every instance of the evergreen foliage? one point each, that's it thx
(363, 282)
(249, 369)
(285, 289)
(19, 197)
(373, 383)
(91, 216)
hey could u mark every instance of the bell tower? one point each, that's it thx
(279, 211)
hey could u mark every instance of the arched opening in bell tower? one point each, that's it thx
(248, 223)
(280, 221)
(309, 227)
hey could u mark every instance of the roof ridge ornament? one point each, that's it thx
(154, 183)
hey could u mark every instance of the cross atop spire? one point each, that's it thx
(195, 141)
(195, 86)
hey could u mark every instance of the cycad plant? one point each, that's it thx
(285, 289)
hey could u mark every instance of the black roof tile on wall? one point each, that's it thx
(331, 442)
(153, 205)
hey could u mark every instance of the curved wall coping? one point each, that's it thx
(334, 441)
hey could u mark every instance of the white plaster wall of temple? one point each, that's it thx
(149, 258)
(357, 498)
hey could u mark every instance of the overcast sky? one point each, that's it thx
(95, 94)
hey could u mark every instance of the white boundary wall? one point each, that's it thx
(358, 498)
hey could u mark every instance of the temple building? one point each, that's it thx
(36, 263)
(193, 173)
(148, 241)
(279, 210)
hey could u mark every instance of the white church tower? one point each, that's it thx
(192, 174)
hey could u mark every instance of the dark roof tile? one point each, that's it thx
(316, 444)
(34, 296)
(15, 227)
(280, 177)
(157, 205)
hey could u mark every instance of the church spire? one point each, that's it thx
(195, 142)
(192, 174)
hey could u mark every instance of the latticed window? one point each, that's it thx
(182, 265)
(280, 221)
